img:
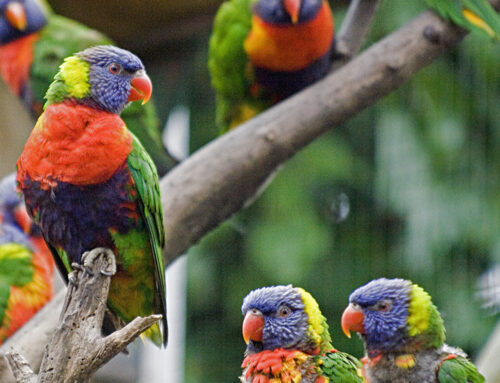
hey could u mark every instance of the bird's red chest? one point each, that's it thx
(278, 365)
(15, 61)
(291, 47)
(76, 144)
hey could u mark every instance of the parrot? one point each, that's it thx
(13, 211)
(404, 335)
(33, 43)
(473, 15)
(263, 51)
(26, 280)
(288, 340)
(88, 182)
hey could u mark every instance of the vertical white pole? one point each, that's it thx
(168, 365)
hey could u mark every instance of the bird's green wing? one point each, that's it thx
(457, 369)
(61, 38)
(15, 270)
(227, 60)
(148, 189)
(474, 15)
(340, 367)
(143, 121)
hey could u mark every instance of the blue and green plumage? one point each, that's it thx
(30, 57)
(286, 332)
(26, 279)
(96, 185)
(260, 53)
(404, 335)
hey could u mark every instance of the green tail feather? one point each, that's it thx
(473, 15)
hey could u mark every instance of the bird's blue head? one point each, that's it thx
(104, 76)
(392, 313)
(11, 234)
(283, 317)
(287, 11)
(380, 309)
(9, 197)
(19, 18)
(12, 207)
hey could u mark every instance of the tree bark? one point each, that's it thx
(353, 31)
(214, 182)
(77, 348)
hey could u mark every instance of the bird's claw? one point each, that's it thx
(72, 279)
(82, 268)
(107, 273)
(77, 266)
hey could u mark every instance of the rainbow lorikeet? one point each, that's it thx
(473, 15)
(26, 279)
(404, 336)
(288, 340)
(13, 212)
(262, 51)
(88, 182)
(33, 43)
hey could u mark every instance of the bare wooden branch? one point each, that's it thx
(20, 367)
(353, 31)
(77, 348)
(214, 182)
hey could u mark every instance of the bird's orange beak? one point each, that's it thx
(16, 15)
(253, 326)
(140, 88)
(292, 7)
(352, 320)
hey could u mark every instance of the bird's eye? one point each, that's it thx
(383, 306)
(284, 311)
(114, 68)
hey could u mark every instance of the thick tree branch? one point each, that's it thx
(353, 31)
(214, 182)
(20, 367)
(77, 348)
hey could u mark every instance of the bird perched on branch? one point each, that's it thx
(26, 280)
(288, 340)
(88, 182)
(404, 336)
(263, 51)
(473, 15)
(33, 43)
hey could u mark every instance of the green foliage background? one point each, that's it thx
(420, 174)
